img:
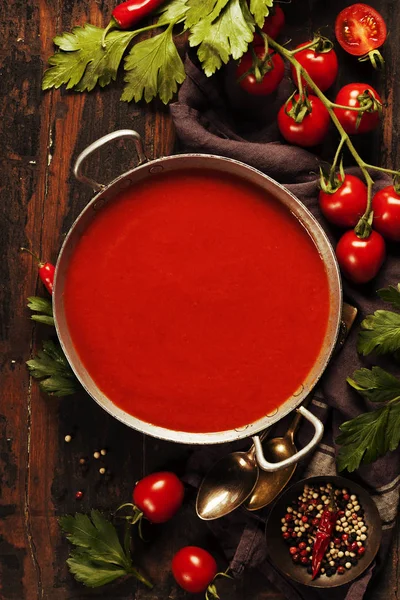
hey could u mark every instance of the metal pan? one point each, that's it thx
(146, 170)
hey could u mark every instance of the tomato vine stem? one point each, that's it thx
(363, 228)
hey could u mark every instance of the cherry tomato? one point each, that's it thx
(311, 131)
(193, 569)
(159, 496)
(322, 67)
(386, 207)
(345, 206)
(274, 23)
(360, 260)
(359, 29)
(348, 96)
(271, 79)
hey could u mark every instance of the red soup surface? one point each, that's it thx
(197, 302)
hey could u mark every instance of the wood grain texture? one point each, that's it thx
(41, 136)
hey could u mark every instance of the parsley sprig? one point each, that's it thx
(50, 366)
(373, 434)
(98, 557)
(88, 56)
(42, 306)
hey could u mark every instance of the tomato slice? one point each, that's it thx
(359, 28)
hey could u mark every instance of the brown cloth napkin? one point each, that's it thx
(213, 116)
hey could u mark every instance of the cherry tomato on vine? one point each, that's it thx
(360, 259)
(322, 67)
(271, 79)
(386, 207)
(349, 96)
(311, 131)
(194, 569)
(274, 23)
(359, 28)
(345, 206)
(159, 496)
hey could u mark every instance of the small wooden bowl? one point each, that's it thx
(278, 549)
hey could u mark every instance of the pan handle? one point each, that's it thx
(110, 137)
(272, 467)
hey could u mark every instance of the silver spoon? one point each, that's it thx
(228, 484)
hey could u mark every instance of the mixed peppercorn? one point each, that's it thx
(325, 530)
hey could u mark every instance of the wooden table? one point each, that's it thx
(42, 134)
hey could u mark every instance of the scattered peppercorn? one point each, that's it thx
(96, 454)
(79, 495)
(68, 438)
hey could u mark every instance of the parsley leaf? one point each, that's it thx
(92, 573)
(175, 10)
(52, 369)
(375, 384)
(154, 68)
(381, 333)
(203, 9)
(82, 62)
(260, 10)
(371, 435)
(391, 295)
(41, 305)
(228, 35)
(98, 557)
(364, 438)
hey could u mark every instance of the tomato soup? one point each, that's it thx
(196, 301)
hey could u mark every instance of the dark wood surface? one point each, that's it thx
(41, 136)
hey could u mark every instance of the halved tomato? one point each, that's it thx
(359, 28)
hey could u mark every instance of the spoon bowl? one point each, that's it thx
(228, 484)
(269, 485)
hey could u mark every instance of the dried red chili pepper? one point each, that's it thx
(323, 536)
(46, 271)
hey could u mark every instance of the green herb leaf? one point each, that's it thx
(154, 68)
(96, 534)
(203, 9)
(363, 439)
(52, 369)
(92, 573)
(99, 557)
(43, 319)
(260, 10)
(371, 435)
(42, 305)
(175, 10)
(82, 62)
(228, 35)
(391, 295)
(375, 384)
(381, 333)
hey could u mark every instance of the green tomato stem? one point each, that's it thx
(337, 155)
(353, 108)
(288, 55)
(383, 170)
